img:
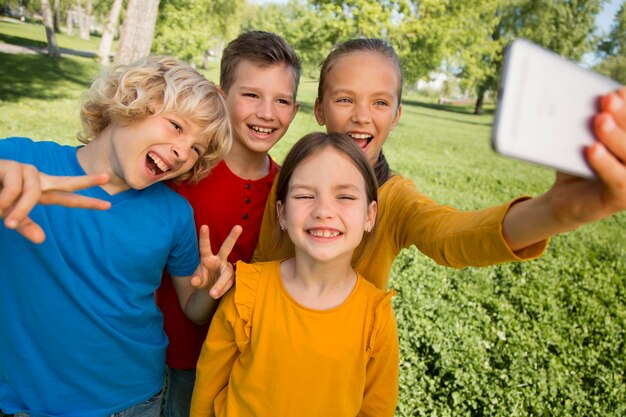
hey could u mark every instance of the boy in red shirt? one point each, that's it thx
(259, 74)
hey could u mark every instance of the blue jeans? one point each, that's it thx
(148, 408)
(179, 389)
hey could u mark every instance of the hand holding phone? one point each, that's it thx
(545, 108)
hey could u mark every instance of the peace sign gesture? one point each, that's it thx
(214, 271)
(22, 186)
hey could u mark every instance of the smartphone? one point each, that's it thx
(545, 108)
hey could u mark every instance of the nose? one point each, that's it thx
(181, 151)
(323, 208)
(361, 114)
(265, 110)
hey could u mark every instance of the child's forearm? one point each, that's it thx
(530, 221)
(200, 306)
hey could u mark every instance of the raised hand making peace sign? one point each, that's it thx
(22, 186)
(199, 293)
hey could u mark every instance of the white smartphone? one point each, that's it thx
(545, 107)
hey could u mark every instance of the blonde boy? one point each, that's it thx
(81, 335)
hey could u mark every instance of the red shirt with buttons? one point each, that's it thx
(221, 201)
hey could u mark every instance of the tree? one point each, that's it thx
(137, 30)
(197, 29)
(53, 48)
(56, 16)
(84, 20)
(613, 49)
(104, 49)
(565, 27)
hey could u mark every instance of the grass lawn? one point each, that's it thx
(31, 34)
(545, 337)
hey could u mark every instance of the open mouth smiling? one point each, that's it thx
(156, 165)
(261, 130)
(324, 233)
(361, 139)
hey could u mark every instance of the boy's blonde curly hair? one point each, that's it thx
(159, 85)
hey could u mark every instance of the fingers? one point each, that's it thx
(610, 134)
(31, 231)
(224, 283)
(20, 192)
(204, 242)
(229, 242)
(58, 190)
(69, 184)
(611, 171)
(614, 104)
(73, 200)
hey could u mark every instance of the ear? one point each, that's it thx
(319, 114)
(280, 213)
(372, 210)
(396, 118)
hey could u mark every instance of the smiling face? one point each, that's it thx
(360, 99)
(326, 210)
(148, 150)
(261, 105)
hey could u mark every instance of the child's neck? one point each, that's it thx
(246, 164)
(95, 158)
(318, 285)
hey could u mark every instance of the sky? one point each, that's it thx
(605, 18)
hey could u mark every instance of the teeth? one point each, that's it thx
(323, 233)
(262, 129)
(360, 135)
(158, 162)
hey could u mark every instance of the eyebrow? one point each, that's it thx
(339, 187)
(347, 91)
(255, 89)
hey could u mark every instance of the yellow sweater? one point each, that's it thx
(266, 355)
(407, 217)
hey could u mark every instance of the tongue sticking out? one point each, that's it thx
(362, 143)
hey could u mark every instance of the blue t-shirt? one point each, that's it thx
(80, 333)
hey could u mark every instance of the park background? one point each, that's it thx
(545, 337)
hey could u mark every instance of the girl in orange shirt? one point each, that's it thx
(307, 336)
(359, 94)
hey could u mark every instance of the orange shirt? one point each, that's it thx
(266, 355)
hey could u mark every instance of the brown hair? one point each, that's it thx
(373, 45)
(159, 85)
(313, 143)
(259, 47)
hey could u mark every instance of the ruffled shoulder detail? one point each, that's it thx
(382, 310)
(246, 285)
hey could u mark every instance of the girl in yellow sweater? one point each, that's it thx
(307, 335)
(359, 94)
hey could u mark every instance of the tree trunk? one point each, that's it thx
(137, 30)
(480, 100)
(108, 33)
(79, 17)
(56, 16)
(85, 21)
(53, 49)
(69, 21)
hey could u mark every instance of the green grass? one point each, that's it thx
(31, 34)
(546, 337)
